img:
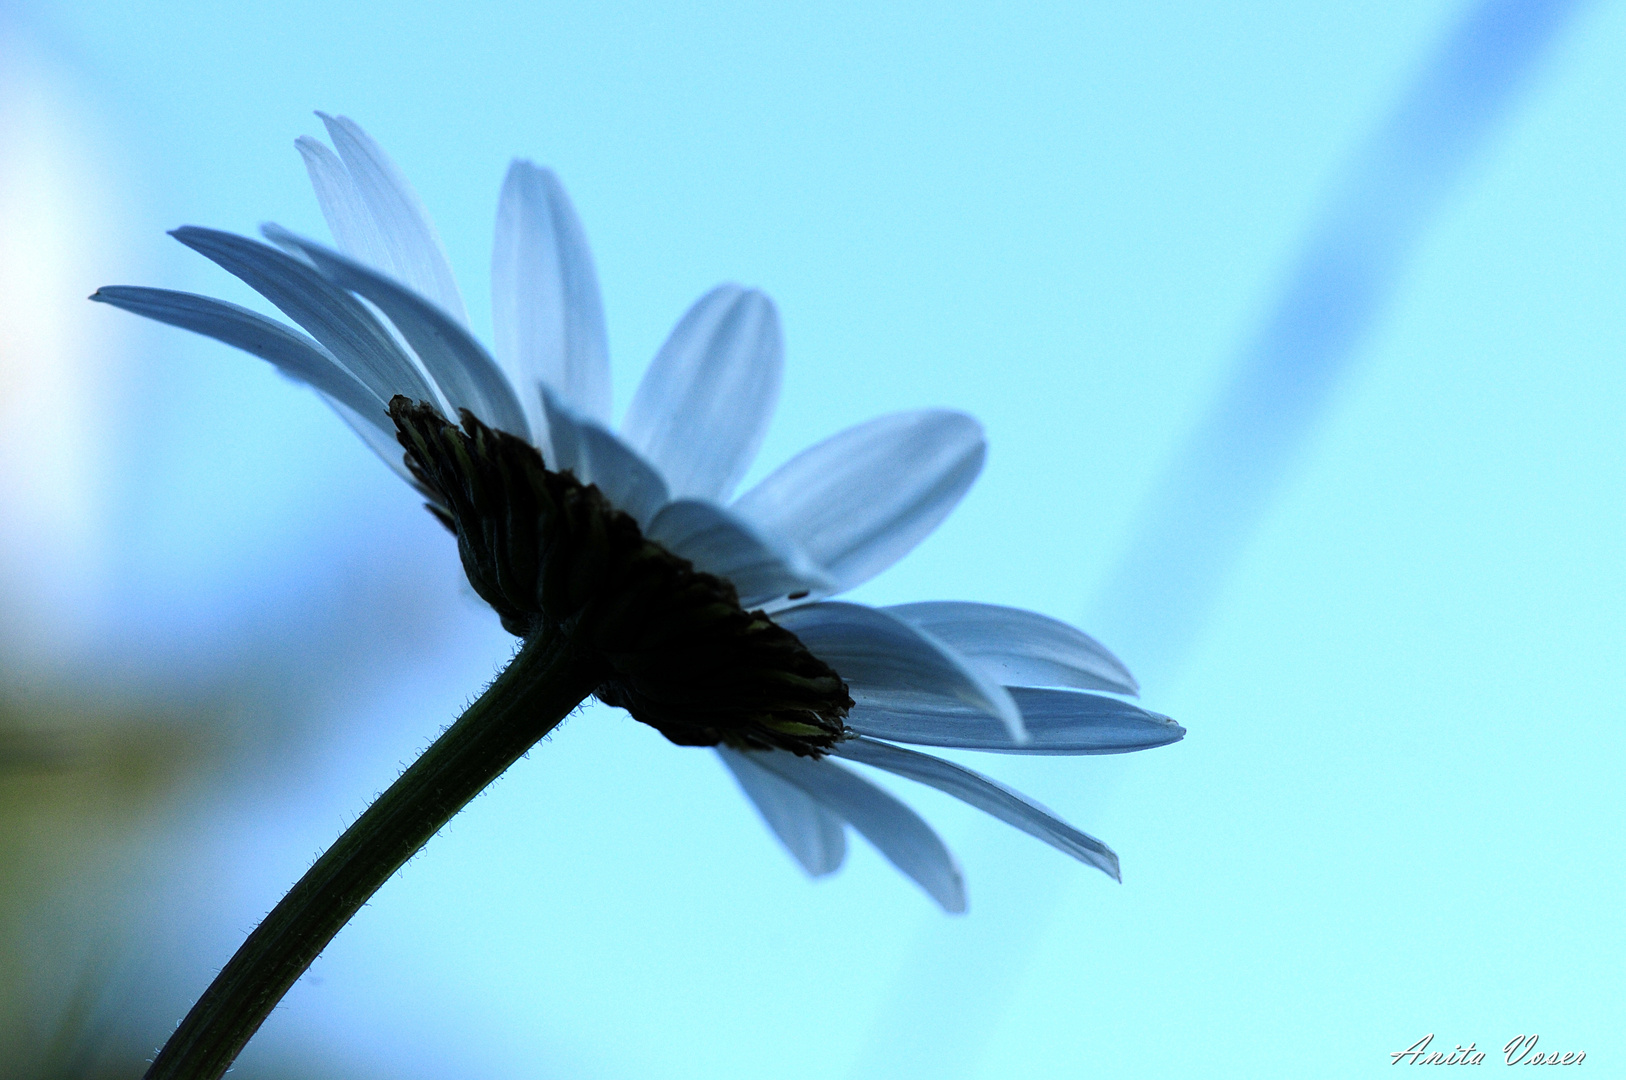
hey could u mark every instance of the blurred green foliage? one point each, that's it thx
(91, 787)
(86, 783)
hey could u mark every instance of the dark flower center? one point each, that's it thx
(552, 556)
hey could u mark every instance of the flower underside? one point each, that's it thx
(552, 556)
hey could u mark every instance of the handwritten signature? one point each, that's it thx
(1520, 1050)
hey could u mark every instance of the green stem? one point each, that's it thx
(538, 689)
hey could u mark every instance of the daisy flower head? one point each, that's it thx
(705, 614)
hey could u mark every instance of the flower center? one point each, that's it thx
(552, 556)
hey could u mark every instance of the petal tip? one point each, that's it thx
(521, 170)
(996, 701)
(1019, 733)
(1109, 865)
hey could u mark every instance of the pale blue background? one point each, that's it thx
(1398, 808)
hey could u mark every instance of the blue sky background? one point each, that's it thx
(1397, 810)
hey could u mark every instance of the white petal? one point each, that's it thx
(817, 838)
(860, 500)
(762, 570)
(545, 305)
(346, 214)
(1057, 722)
(462, 369)
(1020, 648)
(1011, 807)
(895, 830)
(292, 352)
(412, 252)
(889, 664)
(703, 406)
(597, 456)
(332, 316)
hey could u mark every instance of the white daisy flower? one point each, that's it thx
(707, 615)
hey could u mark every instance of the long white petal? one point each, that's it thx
(292, 352)
(545, 305)
(1057, 722)
(720, 543)
(598, 456)
(344, 211)
(860, 500)
(895, 830)
(1011, 807)
(703, 405)
(1020, 648)
(460, 366)
(332, 316)
(412, 252)
(816, 837)
(889, 664)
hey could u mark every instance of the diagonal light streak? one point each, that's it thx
(1224, 477)
(957, 978)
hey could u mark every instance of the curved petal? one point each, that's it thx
(1020, 648)
(545, 305)
(703, 405)
(990, 796)
(344, 211)
(460, 366)
(409, 248)
(889, 664)
(720, 543)
(860, 500)
(1057, 722)
(332, 316)
(816, 837)
(597, 456)
(293, 353)
(896, 831)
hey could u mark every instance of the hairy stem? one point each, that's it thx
(538, 689)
